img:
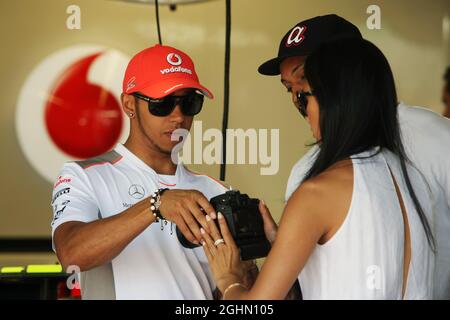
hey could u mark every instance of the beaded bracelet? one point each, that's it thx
(155, 203)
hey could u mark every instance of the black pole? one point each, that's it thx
(226, 90)
(157, 21)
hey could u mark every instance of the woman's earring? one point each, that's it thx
(131, 114)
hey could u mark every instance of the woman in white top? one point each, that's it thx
(361, 224)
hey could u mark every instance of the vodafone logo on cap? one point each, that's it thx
(296, 36)
(69, 108)
(174, 59)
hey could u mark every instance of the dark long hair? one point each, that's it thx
(447, 79)
(354, 86)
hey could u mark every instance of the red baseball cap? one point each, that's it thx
(159, 71)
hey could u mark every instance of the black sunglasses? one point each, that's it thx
(190, 104)
(302, 102)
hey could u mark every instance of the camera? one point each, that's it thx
(244, 221)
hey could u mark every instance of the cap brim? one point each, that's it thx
(164, 88)
(270, 67)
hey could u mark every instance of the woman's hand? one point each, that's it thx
(270, 227)
(223, 254)
(186, 208)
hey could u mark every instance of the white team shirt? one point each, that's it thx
(426, 137)
(154, 265)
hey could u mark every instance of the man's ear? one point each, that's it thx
(128, 103)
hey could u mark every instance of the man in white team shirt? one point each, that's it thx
(425, 134)
(103, 220)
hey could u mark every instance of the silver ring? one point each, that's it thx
(219, 241)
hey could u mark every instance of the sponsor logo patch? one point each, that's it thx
(62, 180)
(60, 193)
(136, 191)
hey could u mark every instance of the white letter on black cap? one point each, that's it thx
(296, 36)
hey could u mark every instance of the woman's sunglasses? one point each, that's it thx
(190, 104)
(302, 102)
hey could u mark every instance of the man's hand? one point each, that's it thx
(251, 273)
(270, 227)
(187, 208)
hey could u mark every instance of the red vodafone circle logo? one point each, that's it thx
(174, 59)
(69, 107)
(83, 119)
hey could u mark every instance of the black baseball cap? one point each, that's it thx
(306, 36)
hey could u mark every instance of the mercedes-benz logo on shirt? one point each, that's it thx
(136, 191)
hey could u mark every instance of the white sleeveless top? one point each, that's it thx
(364, 258)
